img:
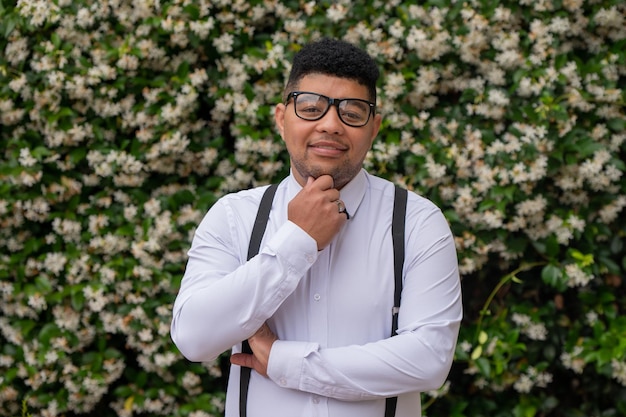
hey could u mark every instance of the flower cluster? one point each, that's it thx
(122, 122)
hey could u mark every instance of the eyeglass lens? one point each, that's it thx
(353, 112)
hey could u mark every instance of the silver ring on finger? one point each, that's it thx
(342, 208)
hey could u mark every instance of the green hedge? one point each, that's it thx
(122, 122)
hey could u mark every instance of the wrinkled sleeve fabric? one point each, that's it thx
(222, 299)
(419, 357)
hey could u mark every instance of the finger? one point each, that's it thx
(242, 359)
(324, 182)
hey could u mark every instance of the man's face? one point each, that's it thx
(326, 146)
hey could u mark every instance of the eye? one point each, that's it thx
(351, 116)
(354, 110)
(309, 108)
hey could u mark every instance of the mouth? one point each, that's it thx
(328, 148)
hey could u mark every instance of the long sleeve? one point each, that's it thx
(418, 359)
(223, 298)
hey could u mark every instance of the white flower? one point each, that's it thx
(397, 30)
(521, 319)
(576, 276)
(190, 380)
(38, 11)
(498, 98)
(531, 207)
(16, 50)
(97, 222)
(51, 356)
(145, 335)
(84, 18)
(336, 12)
(559, 25)
(55, 262)
(152, 207)
(202, 29)
(619, 371)
(435, 170)
(68, 229)
(610, 212)
(26, 159)
(198, 77)
(37, 302)
(95, 299)
(536, 331)
(465, 346)
(543, 379)
(524, 384)
(571, 360)
(224, 43)
(18, 83)
(394, 85)
(591, 318)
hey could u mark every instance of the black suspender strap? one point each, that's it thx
(260, 223)
(397, 234)
(258, 230)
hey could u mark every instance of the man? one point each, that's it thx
(316, 303)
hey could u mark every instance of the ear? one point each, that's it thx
(279, 118)
(375, 127)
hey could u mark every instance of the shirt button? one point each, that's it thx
(310, 259)
(282, 381)
(316, 400)
(317, 297)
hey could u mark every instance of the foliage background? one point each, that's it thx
(122, 122)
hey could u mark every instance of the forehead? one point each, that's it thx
(333, 86)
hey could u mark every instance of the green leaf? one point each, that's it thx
(610, 264)
(552, 275)
(43, 283)
(583, 259)
(477, 352)
(47, 332)
(484, 366)
(78, 300)
(617, 125)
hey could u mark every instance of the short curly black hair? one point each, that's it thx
(336, 58)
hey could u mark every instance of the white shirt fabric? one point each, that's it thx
(330, 309)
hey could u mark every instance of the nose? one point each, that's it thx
(331, 123)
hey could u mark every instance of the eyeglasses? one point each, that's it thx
(311, 106)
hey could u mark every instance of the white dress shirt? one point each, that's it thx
(330, 309)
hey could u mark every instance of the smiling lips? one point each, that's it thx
(328, 148)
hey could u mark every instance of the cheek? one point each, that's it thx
(364, 146)
(295, 132)
(291, 137)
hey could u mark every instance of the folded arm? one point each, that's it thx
(223, 299)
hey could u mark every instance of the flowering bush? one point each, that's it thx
(122, 122)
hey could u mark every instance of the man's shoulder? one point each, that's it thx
(386, 189)
(243, 198)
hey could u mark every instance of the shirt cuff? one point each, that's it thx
(294, 245)
(286, 360)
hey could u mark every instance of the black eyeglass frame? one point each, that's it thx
(331, 102)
